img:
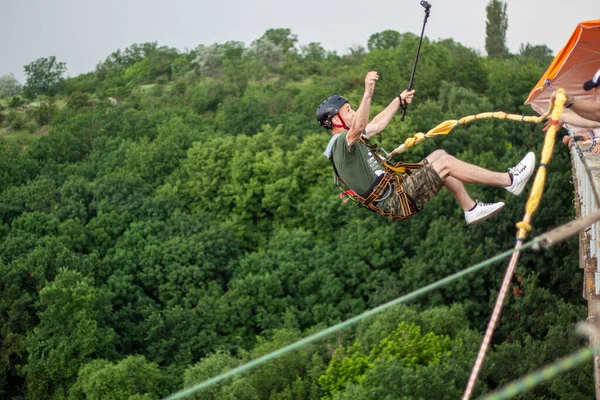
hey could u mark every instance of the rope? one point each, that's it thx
(445, 127)
(319, 335)
(523, 227)
(543, 374)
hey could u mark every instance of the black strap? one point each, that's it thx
(373, 186)
(363, 195)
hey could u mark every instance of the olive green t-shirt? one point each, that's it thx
(358, 168)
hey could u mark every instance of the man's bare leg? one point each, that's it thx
(454, 173)
(459, 192)
(456, 187)
(446, 165)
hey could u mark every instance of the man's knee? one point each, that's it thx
(436, 155)
(442, 162)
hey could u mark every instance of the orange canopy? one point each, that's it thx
(576, 63)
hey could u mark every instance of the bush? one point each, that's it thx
(161, 80)
(43, 114)
(15, 102)
(206, 95)
(180, 87)
(78, 100)
(16, 120)
(31, 127)
(86, 83)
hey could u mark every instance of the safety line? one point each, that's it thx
(523, 226)
(445, 127)
(491, 326)
(319, 335)
(543, 374)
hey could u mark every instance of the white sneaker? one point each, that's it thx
(521, 173)
(482, 211)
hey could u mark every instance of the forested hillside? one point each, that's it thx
(171, 215)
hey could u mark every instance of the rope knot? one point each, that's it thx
(524, 225)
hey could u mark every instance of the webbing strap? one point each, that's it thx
(380, 188)
(407, 207)
(400, 166)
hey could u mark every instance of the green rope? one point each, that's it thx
(541, 375)
(351, 321)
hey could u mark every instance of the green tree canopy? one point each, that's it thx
(102, 379)
(384, 40)
(495, 29)
(9, 86)
(282, 37)
(43, 76)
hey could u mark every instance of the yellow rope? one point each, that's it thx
(540, 178)
(445, 127)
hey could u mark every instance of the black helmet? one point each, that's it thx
(329, 109)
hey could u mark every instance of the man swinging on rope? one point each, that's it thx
(397, 195)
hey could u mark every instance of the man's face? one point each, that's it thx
(347, 114)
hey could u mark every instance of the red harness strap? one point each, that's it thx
(343, 125)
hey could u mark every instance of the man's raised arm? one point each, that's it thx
(361, 117)
(382, 119)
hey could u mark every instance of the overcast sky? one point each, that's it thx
(84, 32)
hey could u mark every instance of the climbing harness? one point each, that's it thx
(388, 183)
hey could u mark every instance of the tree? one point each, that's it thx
(208, 59)
(282, 37)
(239, 387)
(313, 52)
(466, 67)
(71, 332)
(135, 53)
(509, 81)
(78, 100)
(540, 54)
(86, 83)
(43, 76)
(101, 379)
(9, 86)
(387, 39)
(406, 347)
(265, 52)
(495, 29)
(356, 54)
(282, 372)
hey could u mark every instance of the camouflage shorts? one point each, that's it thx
(422, 185)
(419, 187)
